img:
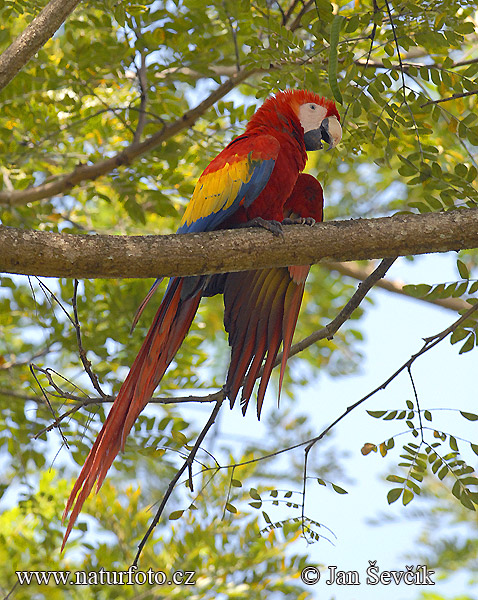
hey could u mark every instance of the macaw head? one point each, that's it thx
(320, 121)
(318, 117)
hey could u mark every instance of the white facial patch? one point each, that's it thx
(311, 116)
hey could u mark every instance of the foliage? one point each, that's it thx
(117, 73)
(428, 455)
(223, 557)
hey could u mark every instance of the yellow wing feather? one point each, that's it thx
(217, 191)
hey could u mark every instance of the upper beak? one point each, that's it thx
(329, 131)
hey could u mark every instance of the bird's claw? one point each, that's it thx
(275, 227)
(299, 221)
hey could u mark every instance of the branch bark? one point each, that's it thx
(89, 256)
(33, 38)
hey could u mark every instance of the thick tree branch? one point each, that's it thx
(33, 38)
(87, 172)
(89, 257)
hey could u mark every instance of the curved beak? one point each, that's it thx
(330, 132)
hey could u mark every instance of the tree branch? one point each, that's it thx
(85, 172)
(33, 38)
(101, 256)
(397, 287)
(452, 97)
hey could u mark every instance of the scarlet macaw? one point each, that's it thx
(254, 179)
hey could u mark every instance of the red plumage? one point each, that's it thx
(254, 176)
(261, 307)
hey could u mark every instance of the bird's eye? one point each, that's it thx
(312, 106)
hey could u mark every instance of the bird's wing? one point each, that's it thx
(234, 178)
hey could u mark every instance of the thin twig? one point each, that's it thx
(367, 60)
(11, 591)
(141, 72)
(234, 37)
(452, 97)
(402, 73)
(186, 465)
(47, 402)
(409, 369)
(84, 360)
(297, 21)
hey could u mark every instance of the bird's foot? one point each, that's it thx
(275, 227)
(299, 221)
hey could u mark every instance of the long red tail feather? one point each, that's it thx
(166, 334)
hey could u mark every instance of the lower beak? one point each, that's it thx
(313, 139)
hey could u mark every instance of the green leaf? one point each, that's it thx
(390, 416)
(456, 489)
(231, 508)
(469, 344)
(469, 480)
(469, 416)
(443, 472)
(338, 489)
(376, 414)
(458, 335)
(253, 493)
(466, 501)
(176, 514)
(407, 496)
(462, 268)
(395, 478)
(417, 291)
(394, 495)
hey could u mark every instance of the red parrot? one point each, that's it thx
(255, 179)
